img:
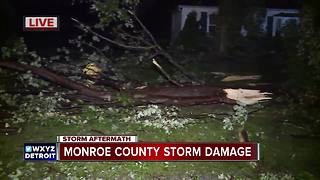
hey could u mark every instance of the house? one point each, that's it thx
(205, 16)
(278, 14)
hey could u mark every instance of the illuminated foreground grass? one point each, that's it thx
(282, 156)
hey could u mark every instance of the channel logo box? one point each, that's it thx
(40, 151)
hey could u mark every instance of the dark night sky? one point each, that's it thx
(61, 8)
(156, 14)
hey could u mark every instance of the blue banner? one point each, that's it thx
(40, 151)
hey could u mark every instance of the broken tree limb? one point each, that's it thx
(186, 95)
(145, 29)
(240, 78)
(165, 73)
(55, 78)
(194, 95)
(178, 66)
(125, 36)
(115, 43)
(154, 47)
(247, 96)
(159, 49)
(95, 48)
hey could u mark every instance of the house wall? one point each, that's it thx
(283, 20)
(272, 12)
(185, 10)
(180, 15)
(176, 25)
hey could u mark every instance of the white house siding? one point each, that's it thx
(175, 25)
(179, 17)
(186, 10)
(273, 12)
(283, 20)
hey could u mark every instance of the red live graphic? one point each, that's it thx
(40, 23)
(158, 152)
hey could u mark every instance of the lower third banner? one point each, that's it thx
(158, 152)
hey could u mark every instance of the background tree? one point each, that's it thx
(235, 14)
(120, 28)
(190, 37)
(309, 46)
(229, 22)
(301, 47)
(254, 15)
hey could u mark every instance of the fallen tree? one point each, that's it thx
(199, 94)
(186, 95)
(57, 79)
(149, 45)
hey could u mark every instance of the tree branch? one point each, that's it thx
(155, 46)
(139, 39)
(162, 52)
(165, 73)
(145, 29)
(55, 78)
(115, 43)
(95, 48)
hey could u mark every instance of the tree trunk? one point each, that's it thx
(186, 95)
(55, 78)
(223, 39)
(201, 94)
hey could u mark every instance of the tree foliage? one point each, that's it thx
(303, 53)
(190, 37)
(309, 47)
(114, 11)
(235, 14)
(310, 42)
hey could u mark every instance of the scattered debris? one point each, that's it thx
(247, 96)
(240, 78)
(219, 74)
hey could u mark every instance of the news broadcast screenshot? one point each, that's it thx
(160, 89)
